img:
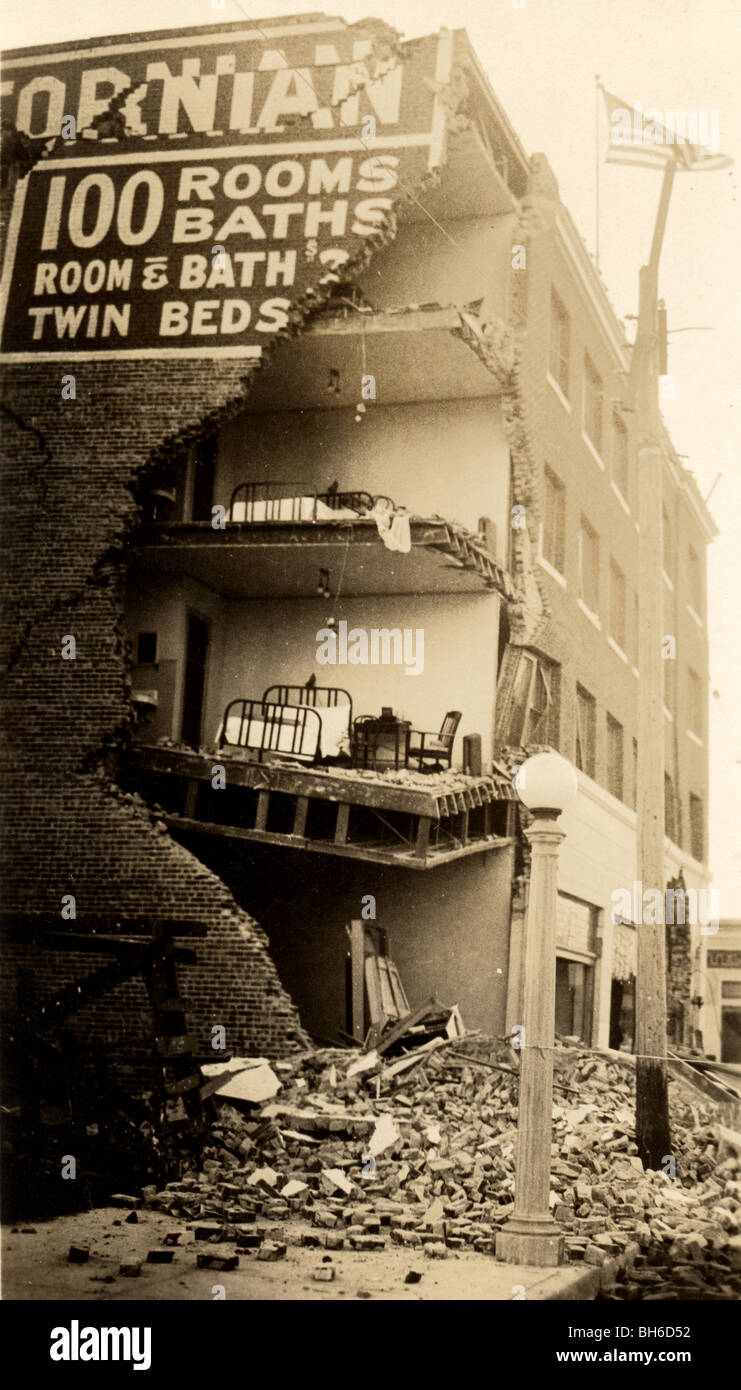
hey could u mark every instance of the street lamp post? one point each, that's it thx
(546, 784)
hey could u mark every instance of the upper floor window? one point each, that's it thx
(593, 396)
(534, 714)
(697, 827)
(670, 808)
(667, 542)
(694, 580)
(589, 566)
(694, 702)
(615, 780)
(620, 465)
(554, 521)
(558, 364)
(586, 723)
(670, 683)
(618, 619)
(146, 649)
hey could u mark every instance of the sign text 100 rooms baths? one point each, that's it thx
(261, 225)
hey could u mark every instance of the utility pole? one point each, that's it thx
(652, 1104)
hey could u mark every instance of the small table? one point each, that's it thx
(382, 743)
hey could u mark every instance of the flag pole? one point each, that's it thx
(597, 86)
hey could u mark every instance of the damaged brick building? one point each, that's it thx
(350, 364)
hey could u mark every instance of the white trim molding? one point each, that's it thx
(589, 614)
(593, 451)
(565, 402)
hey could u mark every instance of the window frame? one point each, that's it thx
(586, 738)
(559, 356)
(585, 526)
(553, 485)
(594, 394)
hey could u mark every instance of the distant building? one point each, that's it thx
(721, 986)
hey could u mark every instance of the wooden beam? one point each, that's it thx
(422, 840)
(263, 802)
(191, 794)
(26, 926)
(464, 828)
(402, 858)
(343, 820)
(357, 976)
(299, 816)
(324, 785)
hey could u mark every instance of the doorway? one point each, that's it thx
(194, 681)
(730, 1047)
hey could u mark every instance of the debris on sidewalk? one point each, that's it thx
(361, 1157)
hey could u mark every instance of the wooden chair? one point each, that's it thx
(435, 748)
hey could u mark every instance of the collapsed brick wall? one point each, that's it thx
(69, 474)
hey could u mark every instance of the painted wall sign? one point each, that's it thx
(194, 187)
(724, 960)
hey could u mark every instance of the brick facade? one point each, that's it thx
(70, 469)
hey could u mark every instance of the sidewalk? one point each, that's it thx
(35, 1266)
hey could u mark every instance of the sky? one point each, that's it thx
(541, 57)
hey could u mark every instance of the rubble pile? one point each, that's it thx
(358, 1151)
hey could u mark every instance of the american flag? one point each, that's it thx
(638, 139)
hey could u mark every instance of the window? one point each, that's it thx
(146, 648)
(589, 566)
(614, 757)
(620, 454)
(697, 828)
(573, 999)
(667, 545)
(586, 720)
(670, 809)
(617, 605)
(670, 668)
(592, 403)
(694, 703)
(534, 715)
(554, 521)
(558, 364)
(634, 784)
(205, 473)
(694, 580)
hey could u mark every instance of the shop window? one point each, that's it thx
(573, 990)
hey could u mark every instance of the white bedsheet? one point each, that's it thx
(286, 509)
(335, 726)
